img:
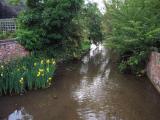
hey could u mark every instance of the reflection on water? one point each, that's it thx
(90, 89)
(20, 115)
(91, 93)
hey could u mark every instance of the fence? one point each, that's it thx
(8, 25)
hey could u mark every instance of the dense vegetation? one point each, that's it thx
(26, 74)
(55, 30)
(94, 17)
(58, 26)
(51, 30)
(133, 30)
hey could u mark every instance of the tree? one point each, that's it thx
(133, 29)
(49, 23)
(94, 22)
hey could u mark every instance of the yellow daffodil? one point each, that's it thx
(38, 74)
(42, 61)
(48, 61)
(49, 80)
(35, 64)
(21, 81)
(47, 69)
(41, 70)
(53, 62)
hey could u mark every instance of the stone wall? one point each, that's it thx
(153, 69)
(10, 49)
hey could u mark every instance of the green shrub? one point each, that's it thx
(26, 74)
(133, 30)
(30, 39)
(49, 23)
(85, 45)
(63, 54)
(94, 22)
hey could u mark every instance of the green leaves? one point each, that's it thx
(13, 2)
(26, 74)
(94, 22)
(49, 23)
(133, 27)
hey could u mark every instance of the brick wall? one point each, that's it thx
(153, 69)
(10, 49)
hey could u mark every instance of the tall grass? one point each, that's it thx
(26, 74)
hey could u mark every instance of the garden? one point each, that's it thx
(53, 32)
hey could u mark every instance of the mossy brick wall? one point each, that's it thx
(10, 49)
(153, 69)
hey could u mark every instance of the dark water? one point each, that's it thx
(90, 89)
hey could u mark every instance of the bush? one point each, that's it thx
(26, 74)
(85, 46)
(49, 23)
(94, 22)
(62, 54)
(30, 39)
(133, 30)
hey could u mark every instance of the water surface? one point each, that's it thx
(89, 89)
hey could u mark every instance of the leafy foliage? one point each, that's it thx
(63, 25)
(52, 23)
(50, 29)
(26, 74)
(16, 2)
(94, 22)
(133, 29)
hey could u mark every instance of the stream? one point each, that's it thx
(88, 89)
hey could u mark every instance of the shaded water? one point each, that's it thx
(90, 89)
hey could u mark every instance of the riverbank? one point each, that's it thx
(90, 88)
(35, 71)
(153, 69)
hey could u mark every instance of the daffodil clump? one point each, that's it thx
(26, 74)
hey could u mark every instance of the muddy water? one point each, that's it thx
(90, 89)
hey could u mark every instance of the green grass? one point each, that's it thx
(7, 35)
